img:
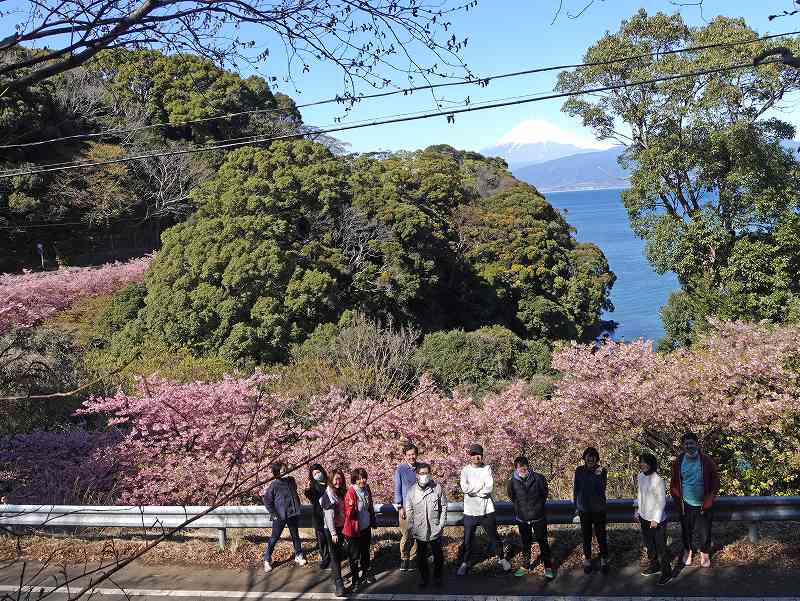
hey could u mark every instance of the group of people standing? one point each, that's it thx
(344, 516)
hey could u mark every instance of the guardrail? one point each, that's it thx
(158, 517)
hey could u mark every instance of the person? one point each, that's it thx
(332, 503)
(694, 486)
(359, 520)
(477, 484)
(405, 477)
(528, 492)
(283, 504)
(651, 513)
(589, 496)
(317, 484)
(426, 512)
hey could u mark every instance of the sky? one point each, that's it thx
(505, 36)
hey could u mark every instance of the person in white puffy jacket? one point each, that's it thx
(477, 484)
(651, 513)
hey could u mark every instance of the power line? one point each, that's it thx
(449, 114)
(482, 81)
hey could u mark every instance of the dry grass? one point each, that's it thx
(780, 547)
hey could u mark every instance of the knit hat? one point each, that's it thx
(475, 449)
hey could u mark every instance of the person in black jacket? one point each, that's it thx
(317, 484)
(283, 504)
(527, 490)
(589, 496)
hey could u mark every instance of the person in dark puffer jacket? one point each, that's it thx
(283, 504)
(528, 491)
(589, 496)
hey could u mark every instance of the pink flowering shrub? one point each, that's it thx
(29, 298)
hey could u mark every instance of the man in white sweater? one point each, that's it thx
(477, 484)
(651, 513)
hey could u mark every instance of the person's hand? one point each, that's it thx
(402, 513)
(335, 539)
(576, 519)
(598, 470)
(653, 524)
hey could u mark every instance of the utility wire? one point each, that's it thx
(449, 114)
(482, 81)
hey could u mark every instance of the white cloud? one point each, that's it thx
(533, 131)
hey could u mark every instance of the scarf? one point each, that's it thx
(363, 498)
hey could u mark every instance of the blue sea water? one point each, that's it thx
(639, 292)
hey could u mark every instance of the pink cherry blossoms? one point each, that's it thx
(31, 297)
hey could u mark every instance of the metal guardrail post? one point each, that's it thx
(222, 538)
(753, 534)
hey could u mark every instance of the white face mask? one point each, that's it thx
(319, 477)
(424, 479)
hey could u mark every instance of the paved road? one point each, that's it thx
(290, 582)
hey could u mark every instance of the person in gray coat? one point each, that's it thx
(426, 514)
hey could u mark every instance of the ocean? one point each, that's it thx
(639, 292)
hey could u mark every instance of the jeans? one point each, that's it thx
(655, 541)
(594, 521)
(435, 546)
(324, 549)
(358, 550)
(277, 529)
(527, 532)
(337, 554)
(693, 520)
(489, 525)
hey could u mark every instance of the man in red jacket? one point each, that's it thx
(694, 487)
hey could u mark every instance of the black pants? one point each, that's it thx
(594, 521)
(694, 521)
(358, 550)
(655, 541)
(322, 543)
(489, 525)
(527, 532)
(337, 555)
(277, 529)
(435, 546)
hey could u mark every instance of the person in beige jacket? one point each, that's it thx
(426, 514)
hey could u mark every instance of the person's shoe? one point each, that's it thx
(520, 572)
(340, 589)
(604, 565)
(587, 566)
(325, 565)
(665, 579)
(504, 563)
(300, 560)
(267, 567)
(462, 570)
(687, 558)
(437, 581)
(549, 573)
(705, 560)
(651, 570)
(404, 567)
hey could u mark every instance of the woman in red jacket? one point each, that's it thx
(359, 519)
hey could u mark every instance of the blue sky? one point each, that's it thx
(507, 35)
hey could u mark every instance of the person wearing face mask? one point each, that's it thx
(426, 512)
(317, 483)
(589, 496)
(528, 491)
(651, 513)
(283, 504)
(694, 487)
(405, 478)
(477, 485)
(332, 503)
(359, 520)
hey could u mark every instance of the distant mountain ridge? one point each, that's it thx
(521, 154)
(588, 170)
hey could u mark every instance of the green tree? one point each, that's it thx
(712, 187)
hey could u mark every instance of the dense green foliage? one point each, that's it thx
(292, 237)
(714, 192)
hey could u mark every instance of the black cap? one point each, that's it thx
(475, 449)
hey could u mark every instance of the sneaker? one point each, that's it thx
(687, 558)
(505, 565)
(325, 565)
(300, 560)
(651, 570)
(340, 589)
(705, 560)
(665, 579)
(462, 570)
(404, 567)
(437, 581)
(549, 573)
(267, 567)
(520, 572)
(604, 567)
(587, 566)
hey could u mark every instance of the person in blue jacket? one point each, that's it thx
(405, 477)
